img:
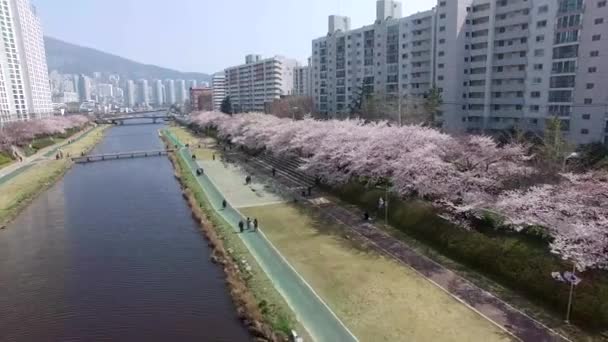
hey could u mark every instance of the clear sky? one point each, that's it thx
(202, 35)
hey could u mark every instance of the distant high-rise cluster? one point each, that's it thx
(110, 92)
(24, 80)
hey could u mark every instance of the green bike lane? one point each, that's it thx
(310, 309)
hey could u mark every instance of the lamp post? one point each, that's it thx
(572, 284)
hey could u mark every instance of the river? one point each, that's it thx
(111, 253)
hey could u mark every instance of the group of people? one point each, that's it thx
(249, 224)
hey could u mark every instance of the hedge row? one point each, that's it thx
(520, 262)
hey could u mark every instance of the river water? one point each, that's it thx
(111, 253)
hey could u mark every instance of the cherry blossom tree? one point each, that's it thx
(457, 174)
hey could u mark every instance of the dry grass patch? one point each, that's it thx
(377, 298)
(207, 145)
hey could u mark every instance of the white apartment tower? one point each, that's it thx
(218, 86)
(259, 81)
(302, 81)
(170, 95)
(131, 100)
(181, 91)
(499, 64)
(24, 82)
(144, 92)
(158, 93)
(390, 57)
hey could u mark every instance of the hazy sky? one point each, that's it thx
(202, 35)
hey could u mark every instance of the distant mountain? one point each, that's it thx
(74, 59)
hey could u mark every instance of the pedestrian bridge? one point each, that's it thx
(121, 155)
(120, 119)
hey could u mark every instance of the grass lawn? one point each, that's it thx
(5, 160)
(16, 193)
(186, 137)
(377, 298)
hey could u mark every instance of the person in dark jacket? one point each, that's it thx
(255, 225)
(241, 225)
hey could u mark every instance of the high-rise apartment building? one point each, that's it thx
(499, 64)
(84, 88)
(131, 92)
(218, 86)
(158, 93)
(181, 91)
(144, 92)
(259, 81)
(170, 95)
(24, 80)
(302, 81)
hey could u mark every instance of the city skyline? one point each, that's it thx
(294, 32)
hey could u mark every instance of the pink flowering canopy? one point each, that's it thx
(457, 174)
(22, 132)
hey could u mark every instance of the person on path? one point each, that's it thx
(366, 216)
(224, 204)
(214, 156)
(241, 226)
(381, 203)
(274, 172)
(248, 223)
(255, 225)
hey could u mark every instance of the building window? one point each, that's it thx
(601, 4)
(539, 53)
(588, 101)
(542, 23)
(534, 108)
(584, 131)
(592, 70)
(586, 116)
(540, 38)
(535, 94)
(596, 37)
(590, 85)
(594, 53)
(538, 67)
(543, 9)
(599, 21)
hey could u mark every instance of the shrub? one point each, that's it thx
(521, 262)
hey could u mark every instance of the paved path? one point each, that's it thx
(512, 320)
(318, 319)
(18, 168)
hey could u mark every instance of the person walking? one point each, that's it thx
(241, 226)
(274, 172)
(224, 204)
(255, 225)
(248, 223)
(214, 157)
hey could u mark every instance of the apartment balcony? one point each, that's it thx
(510, 48)
(514, 20)
(476, 100)
(478, 39)
(475, 65)
(505, 88)
(424, 58)
(514, 101)
(510, 7)
(518, 33)
(510, 61)
(509, 75)
(476, 89)
(476, 77)
(477, 52)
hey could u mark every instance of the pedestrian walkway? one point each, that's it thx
(512, 320)
(18, 168)
(311, 311)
